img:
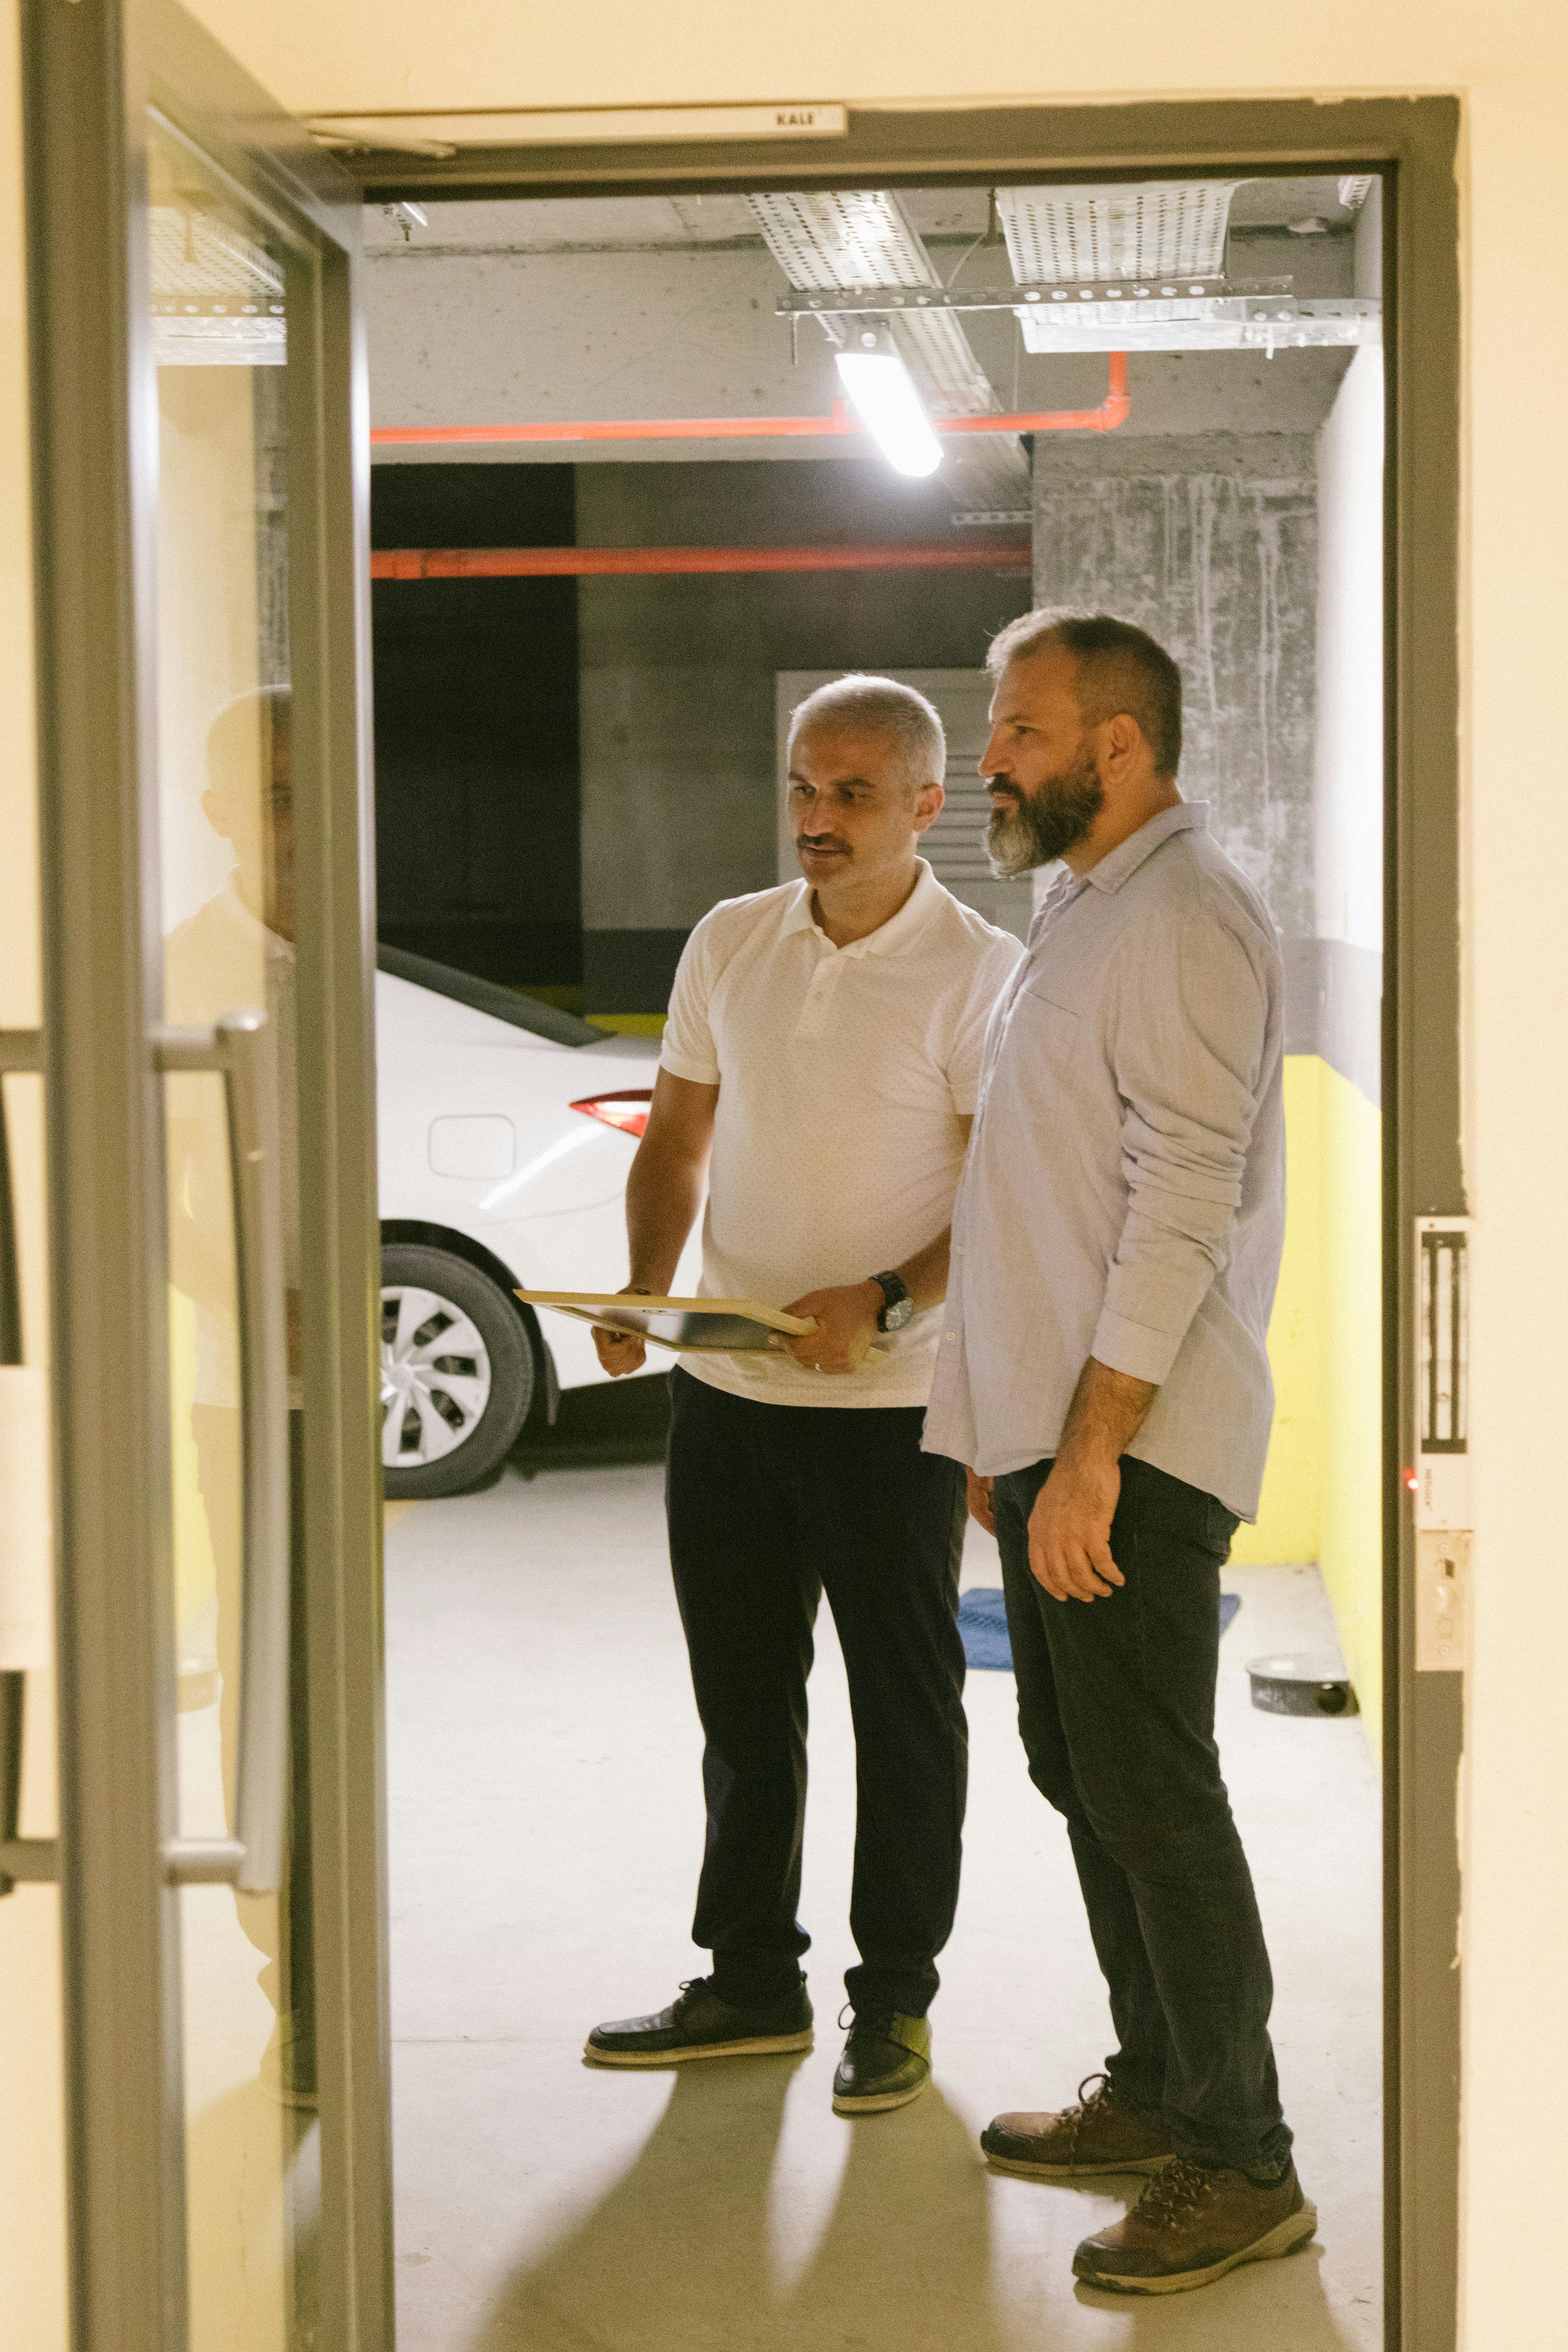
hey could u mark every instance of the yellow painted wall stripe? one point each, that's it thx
(1321, 1491)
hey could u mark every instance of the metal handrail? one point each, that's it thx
(237, 1047)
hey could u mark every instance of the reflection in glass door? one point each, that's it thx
(225, 837)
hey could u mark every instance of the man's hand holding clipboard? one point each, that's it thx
(842, 1328)
(827, 1330)
(621, 1351)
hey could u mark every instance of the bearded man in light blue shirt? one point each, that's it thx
(1103, 1375)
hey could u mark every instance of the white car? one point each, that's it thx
(506, 1130)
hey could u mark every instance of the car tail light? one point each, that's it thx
(629, 1111)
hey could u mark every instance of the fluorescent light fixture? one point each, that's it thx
(883, 396)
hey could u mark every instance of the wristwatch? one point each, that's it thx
(897, 1306)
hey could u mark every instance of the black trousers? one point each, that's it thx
(1116, 1703)
(770, 1507)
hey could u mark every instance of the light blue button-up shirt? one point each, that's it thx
(1124, 1195)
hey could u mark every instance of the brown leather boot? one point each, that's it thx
(1098, 2135)
(1190, 2226)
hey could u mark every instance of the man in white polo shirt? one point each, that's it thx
(820, 1064)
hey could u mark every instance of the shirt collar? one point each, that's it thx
(893, 936)
(1187, 816)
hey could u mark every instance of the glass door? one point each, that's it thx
(228, 921)
(207, 1070)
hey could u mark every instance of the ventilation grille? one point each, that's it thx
(1059, 236)
(855, 239)
(955, 844)
(1066, 237)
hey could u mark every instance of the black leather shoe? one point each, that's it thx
(699, 2025)
(886, 2062)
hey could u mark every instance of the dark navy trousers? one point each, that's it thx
(1116, 1703)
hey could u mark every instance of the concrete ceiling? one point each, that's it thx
(621, 224)
(665, 306)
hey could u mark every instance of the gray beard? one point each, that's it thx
(1046, 824)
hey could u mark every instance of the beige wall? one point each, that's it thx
(1508, 62)
(1508, 59)
(32, 2142)
(363, 54)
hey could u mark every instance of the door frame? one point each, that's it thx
(90, 72)
(1412, 144)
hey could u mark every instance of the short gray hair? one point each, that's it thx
(900, 712)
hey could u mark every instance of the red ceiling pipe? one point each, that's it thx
(1111, 412)
(553, 562)
(655, 429)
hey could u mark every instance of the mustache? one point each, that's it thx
(819, 841)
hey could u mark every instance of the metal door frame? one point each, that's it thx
(1413, 144)
(91, 71)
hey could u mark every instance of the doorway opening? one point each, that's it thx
(611, 554)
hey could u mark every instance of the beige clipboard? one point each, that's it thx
(685, 1326)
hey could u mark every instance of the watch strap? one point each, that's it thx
(894, 1292)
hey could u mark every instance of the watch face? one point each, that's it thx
(894, 1317)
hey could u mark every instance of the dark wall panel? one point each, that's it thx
(630, 971)
(510, 812)
(478, 793)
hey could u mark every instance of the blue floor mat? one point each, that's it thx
(982, 1622)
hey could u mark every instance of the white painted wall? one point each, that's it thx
(1508, 59)
(1347, 794)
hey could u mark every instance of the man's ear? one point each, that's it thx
(928, 803)
(1121, 743)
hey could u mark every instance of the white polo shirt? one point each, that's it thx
(844, 1075)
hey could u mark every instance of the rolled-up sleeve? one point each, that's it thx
(1189, 1030)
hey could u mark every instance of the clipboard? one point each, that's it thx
(727, 1327)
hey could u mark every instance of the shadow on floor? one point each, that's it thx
(1282, 2302)
(1214, 2319)
(611, 1423)
(681, 2254)
(688, 2251)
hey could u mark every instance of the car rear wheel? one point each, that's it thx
(456, 1372)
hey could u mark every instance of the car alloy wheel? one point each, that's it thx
(434, 1377)
(458, 1371)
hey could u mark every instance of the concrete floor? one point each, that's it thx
(546, 1829)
